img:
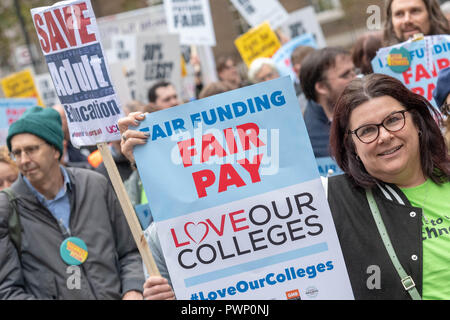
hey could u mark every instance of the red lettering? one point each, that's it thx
(209, 141)
(41, 32)
(431, 87)
(443, 63)
(407, 75)
(53, 31)
(421, 73)
(235, 222)
(419, 91)
(83, 23)
(202, 180)
(228, 177)
(246, 137)
(175, 239)
(252, 168)
(231, 141)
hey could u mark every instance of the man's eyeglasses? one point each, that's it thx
(369, 133)
(29, 150)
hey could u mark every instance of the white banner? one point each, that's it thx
(191, 19)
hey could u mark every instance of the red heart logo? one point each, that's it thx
(196, 231)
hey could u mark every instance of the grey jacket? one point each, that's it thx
(113, 266)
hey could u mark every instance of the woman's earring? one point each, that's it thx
(420, 133)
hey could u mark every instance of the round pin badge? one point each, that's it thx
(399, 60)
(73, 251)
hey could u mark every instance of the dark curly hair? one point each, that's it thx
(435, 160)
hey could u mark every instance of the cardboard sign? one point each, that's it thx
(46, 89)
(191, 20)
(258, 42)
(282, 57)
(304, 21)
(415, 63)
(256, 12)
(10, 111)
(21, 85)
(69, 38)
(239, 206)
(158, 58)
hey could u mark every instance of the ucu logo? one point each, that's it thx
(112, 129)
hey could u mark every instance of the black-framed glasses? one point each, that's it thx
(368, 133)
(29, 150)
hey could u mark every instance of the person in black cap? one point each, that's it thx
(62, 210)
(442, 97)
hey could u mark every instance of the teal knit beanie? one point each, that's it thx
(44, 123)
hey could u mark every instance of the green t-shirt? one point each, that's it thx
(435, 202)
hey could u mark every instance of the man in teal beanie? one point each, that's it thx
(72, 240)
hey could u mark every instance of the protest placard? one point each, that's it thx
(157, 58)
(191, 20)
(239, 206)
(256, 12)
(260, 41)
(10, 110)
(416, 63)
(21, 85)
(282, 57)
(304, 21)
(69, 38)
(149, 20)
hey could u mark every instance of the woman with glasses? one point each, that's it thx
(391, 207)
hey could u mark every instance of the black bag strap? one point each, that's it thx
(14, 220)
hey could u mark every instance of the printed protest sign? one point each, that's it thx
(158, 58)
(10, 110)
(282, 57)
(191, 20)
(304, 21)
(258, 42)
(69, 38)
(415, 63)
(239, 206)
(21, 85)
(328, 167)
(149, 20)
(256, 12)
